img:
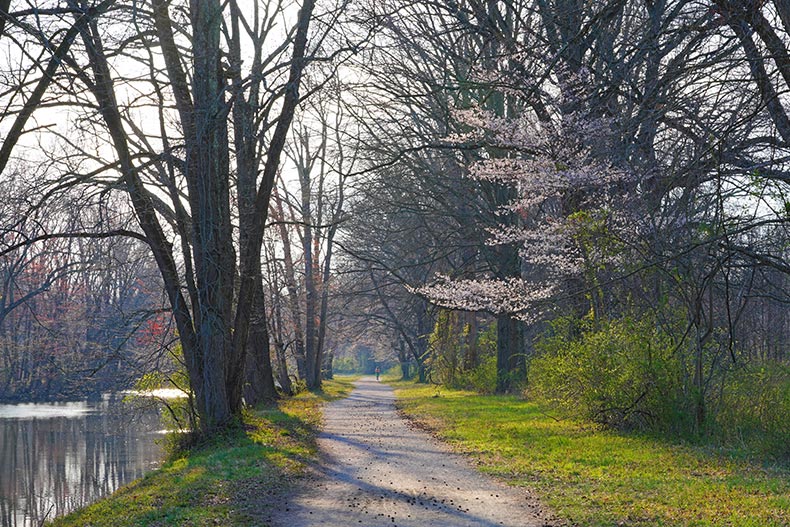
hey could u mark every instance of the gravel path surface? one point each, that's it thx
(378, 470)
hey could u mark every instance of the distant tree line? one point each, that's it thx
(78, 316)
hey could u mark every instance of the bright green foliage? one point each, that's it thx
(346, 364)
(226, 481)
(392, 373)
(451, 360)
(624, 374)
(596, 243)
(481, 379)
(360, 359)
(446, 345)
(628, 374)
(595, 477)
(177, 414)
(298, 386)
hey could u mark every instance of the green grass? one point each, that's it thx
(593, 477)
(227, 481)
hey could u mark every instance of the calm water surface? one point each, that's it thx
(57, 457)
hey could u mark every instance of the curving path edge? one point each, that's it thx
(378, 470)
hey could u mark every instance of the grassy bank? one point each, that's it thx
(592, 477)
(226, 482)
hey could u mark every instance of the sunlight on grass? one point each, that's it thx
(593, 477)
(222, 483)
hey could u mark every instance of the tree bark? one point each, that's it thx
(259, 386)
(511, 368)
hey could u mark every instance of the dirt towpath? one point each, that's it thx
(377, 470)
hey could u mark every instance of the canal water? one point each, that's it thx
(57, 457)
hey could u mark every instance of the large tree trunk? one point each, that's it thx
(207, 164)
(259, 386)
(511, 366)
(214, 341)
(403, 360)
(256, 360)
(471, 358)
(251, 254)
(209, 393)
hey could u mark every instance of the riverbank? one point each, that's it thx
(229, 481)
(593, 477)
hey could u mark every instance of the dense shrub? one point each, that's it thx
(628, 374)
(298, 385)
(481, 379)
(623, 373)
(754, 409)
(462, 359)
(349, 364)
(446, 346)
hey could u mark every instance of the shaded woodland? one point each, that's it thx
(584, 202)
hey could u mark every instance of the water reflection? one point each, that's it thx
(58, 457)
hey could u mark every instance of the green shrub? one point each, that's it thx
(446, 347)
(298, 385)
(393, 372)
(481, 379)
(450, 363)
(628, 374)
(754, 410)
(623, 373)
(348, 364)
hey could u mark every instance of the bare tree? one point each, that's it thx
(213, 285)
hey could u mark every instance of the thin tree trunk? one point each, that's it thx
(471, 358)
(4, 7)
(251, 255)
(311, 352)
(290, 285)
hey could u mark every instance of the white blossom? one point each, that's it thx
(548, 164)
